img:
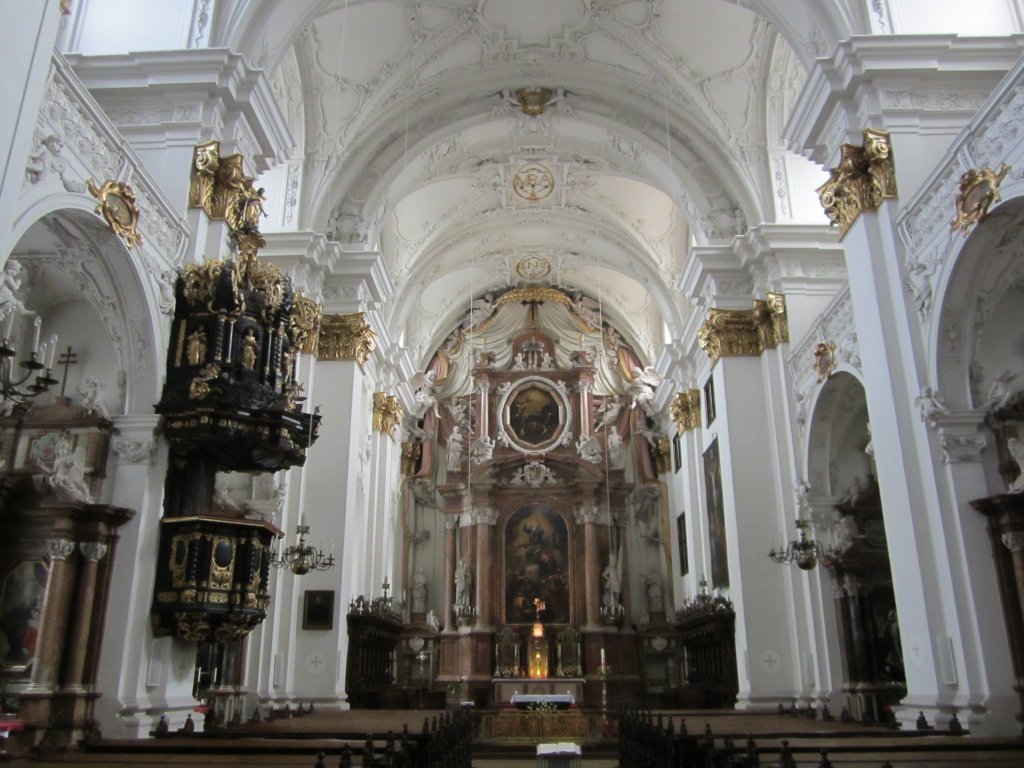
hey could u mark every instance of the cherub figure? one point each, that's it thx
(425, 393)
(67, 475)
(91, 391)
(641, 388)
(10, 287)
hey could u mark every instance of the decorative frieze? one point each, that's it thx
(864, 178)
(387, 413)
(346, 337)
(685, 410)
(134, 451)
(745, 332)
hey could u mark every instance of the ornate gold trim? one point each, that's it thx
(533, 100)
(117, 207)
(346, 337)
(685, 410)
(532, 293)
(824, 360)
(864, 178)
(745, 332)
(387, 413)
(978, 190)
(221, 188)
(305, 328)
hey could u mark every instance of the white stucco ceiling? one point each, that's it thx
(656, 135)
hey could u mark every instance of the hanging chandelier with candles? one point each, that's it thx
(300, 558)
(38, 366)
(803, 551)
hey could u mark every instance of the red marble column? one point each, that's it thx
(485, 521)
(54, 619)
(586, 515)
(92, 552)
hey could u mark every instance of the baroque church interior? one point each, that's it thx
(407, 354)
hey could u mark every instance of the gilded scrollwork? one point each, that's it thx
(685, 410)
(117, 207)
(387, 413)
(220, 186)
(864, 177)
(346, 337)
(978, 191)
(745, 332)
(824, 360)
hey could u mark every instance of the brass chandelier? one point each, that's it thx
(300, 558)
(803, 551)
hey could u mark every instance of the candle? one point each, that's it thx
(10, 325)
(38, 323)
(602, 657)
(53, 351)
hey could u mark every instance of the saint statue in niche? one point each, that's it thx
(533, 415)
(536, 565)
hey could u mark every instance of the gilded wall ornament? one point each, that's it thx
(745, 332)
(978, 191)
(221, 188)
(346, 337)
(387, 413)
(117, 207)
(864, 178)
(533, 182)
(533, 99)
(685, 410)
(824, 360)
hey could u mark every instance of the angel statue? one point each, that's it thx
(424, 393)
(91, 391)
(641, 388)
(589, 449)
(608, 413)
(67, 476)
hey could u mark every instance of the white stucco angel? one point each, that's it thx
(67, 475)
(1001, 392)
(91, 391)
(589, 449)
(641, 388)
(424, 392)
(453, 457)
(10, 288)
(608, 413)
(616, 456)
(483, 449)
(1016, 449)
(931, 404)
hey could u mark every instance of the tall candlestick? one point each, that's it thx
(602, 657)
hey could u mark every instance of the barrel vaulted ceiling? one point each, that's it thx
(656, 136)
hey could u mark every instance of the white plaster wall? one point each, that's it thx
(141, 25)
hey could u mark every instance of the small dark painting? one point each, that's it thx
(533, 415)
(684, 555)
(318, 609)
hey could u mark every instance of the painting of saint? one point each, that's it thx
(536, 566)
(21, 604)
(716, 517)
(533, 415)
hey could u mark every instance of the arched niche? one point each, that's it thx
(84, 285)
(838, 436)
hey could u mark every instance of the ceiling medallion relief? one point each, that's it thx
(533, 182)
(533, 268)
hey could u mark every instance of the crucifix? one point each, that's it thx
(66, 359)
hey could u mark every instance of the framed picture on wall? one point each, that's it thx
(684, 555)
(677, 453)
(318, 609)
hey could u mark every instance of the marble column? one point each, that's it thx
(485, 518)
(451, 525)
(587, 515)
(54, 619)
(92, 552)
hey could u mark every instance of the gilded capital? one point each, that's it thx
(864, 178)
(685, 410)
(346, 337)
(305, 328)
(745, 332)
(387, 413)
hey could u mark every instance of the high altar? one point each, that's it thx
(536, 542)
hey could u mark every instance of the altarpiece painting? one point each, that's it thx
(536, 565)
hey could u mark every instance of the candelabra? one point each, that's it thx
(613, 614)
(301, 558)
(39, 365)
(803, 551)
